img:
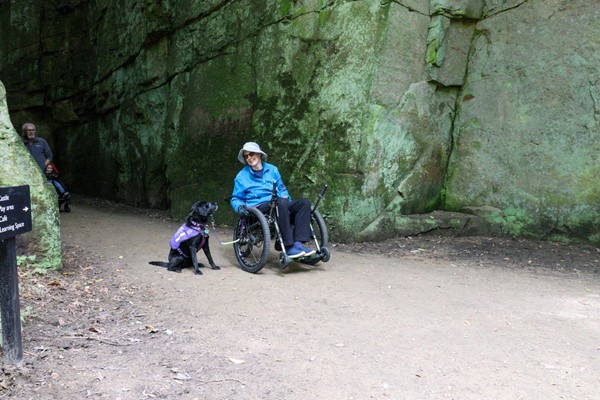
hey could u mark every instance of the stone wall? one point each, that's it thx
(403, 107)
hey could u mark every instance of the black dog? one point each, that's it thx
(189, 239)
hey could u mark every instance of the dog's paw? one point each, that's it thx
(198, 272)
(178, 270)
(215, 267)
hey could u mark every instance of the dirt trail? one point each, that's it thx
(358, 327)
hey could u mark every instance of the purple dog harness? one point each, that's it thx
(187, 232)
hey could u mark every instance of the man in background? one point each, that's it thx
(38, 147)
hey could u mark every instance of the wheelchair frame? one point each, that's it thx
(253, 233)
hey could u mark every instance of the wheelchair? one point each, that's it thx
(253, 233)
(64, 197)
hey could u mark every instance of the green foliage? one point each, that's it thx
(595, 238)
(516, 221)
(25, 261)
(28, 263)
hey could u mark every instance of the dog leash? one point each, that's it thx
(212, 222)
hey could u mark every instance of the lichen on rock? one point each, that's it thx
(44, 239)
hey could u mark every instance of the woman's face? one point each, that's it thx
(253, 160)
(49, 169)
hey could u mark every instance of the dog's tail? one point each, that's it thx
(159, 263)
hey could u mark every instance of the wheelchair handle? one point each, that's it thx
(320, 196)
(273, 202)
(274, 192)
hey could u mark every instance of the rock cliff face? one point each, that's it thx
(42, 245)
(526, 138)
(485, 109)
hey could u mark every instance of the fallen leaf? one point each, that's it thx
(94, 329)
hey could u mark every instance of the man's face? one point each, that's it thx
(30, 132)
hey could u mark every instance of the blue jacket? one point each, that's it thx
(252, 190)
(40, 151)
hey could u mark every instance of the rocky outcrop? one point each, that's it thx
(403, 107)
(41, 246)
(526, 135)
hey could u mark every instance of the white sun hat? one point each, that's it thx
(251, 147)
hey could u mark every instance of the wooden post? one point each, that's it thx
(9, 303)
(15, 218)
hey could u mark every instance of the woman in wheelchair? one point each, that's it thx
(253, 187)
(64, 197)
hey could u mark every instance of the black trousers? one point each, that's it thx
(296, 213)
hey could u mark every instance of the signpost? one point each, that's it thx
(15, 219)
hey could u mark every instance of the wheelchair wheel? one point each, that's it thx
(319, 228)
(284, 260)
(322, 237)
(252, 249)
